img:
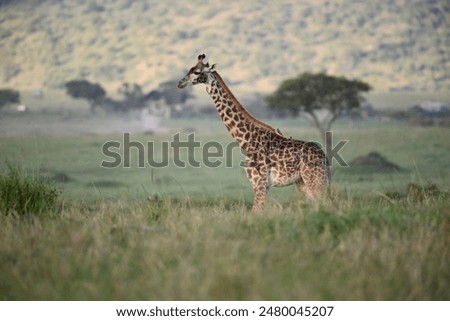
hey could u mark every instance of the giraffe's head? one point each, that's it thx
(199, 74)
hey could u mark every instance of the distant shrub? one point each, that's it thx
(420, 193)
(417, 194)
(8, 96)
(133, 96)
(24, 194)
(83, 89)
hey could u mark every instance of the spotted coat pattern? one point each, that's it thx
(271, 159)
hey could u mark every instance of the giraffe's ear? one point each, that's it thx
(212, 67)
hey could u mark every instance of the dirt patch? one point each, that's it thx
(375, 160)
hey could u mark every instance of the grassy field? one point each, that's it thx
(422, 153)
(188, 233)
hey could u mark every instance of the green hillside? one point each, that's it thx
(395, 45)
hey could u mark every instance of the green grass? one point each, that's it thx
(188, 234)
(348, 248)
(422, 153)
(24, 194)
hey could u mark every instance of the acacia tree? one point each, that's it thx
(8, 96)
(133, 95)
(319, 97)
(83, 89)
(171, 95)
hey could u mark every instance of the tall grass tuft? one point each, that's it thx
(23, 194)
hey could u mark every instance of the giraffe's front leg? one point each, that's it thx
(260, 187)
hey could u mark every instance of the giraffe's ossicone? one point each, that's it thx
(271, 159)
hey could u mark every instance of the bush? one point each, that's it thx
(23, 194)
(8, 96)
(83, 89)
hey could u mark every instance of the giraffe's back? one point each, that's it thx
(298, 162)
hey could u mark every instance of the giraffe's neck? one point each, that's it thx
(238, 121)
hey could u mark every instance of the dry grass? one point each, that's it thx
(165, 249)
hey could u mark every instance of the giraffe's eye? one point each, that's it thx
(196, 72)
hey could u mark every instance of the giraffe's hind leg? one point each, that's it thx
(302, 187)
(315, 180)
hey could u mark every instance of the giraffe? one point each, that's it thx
(271, 159)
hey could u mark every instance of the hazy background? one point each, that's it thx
(395, 45)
